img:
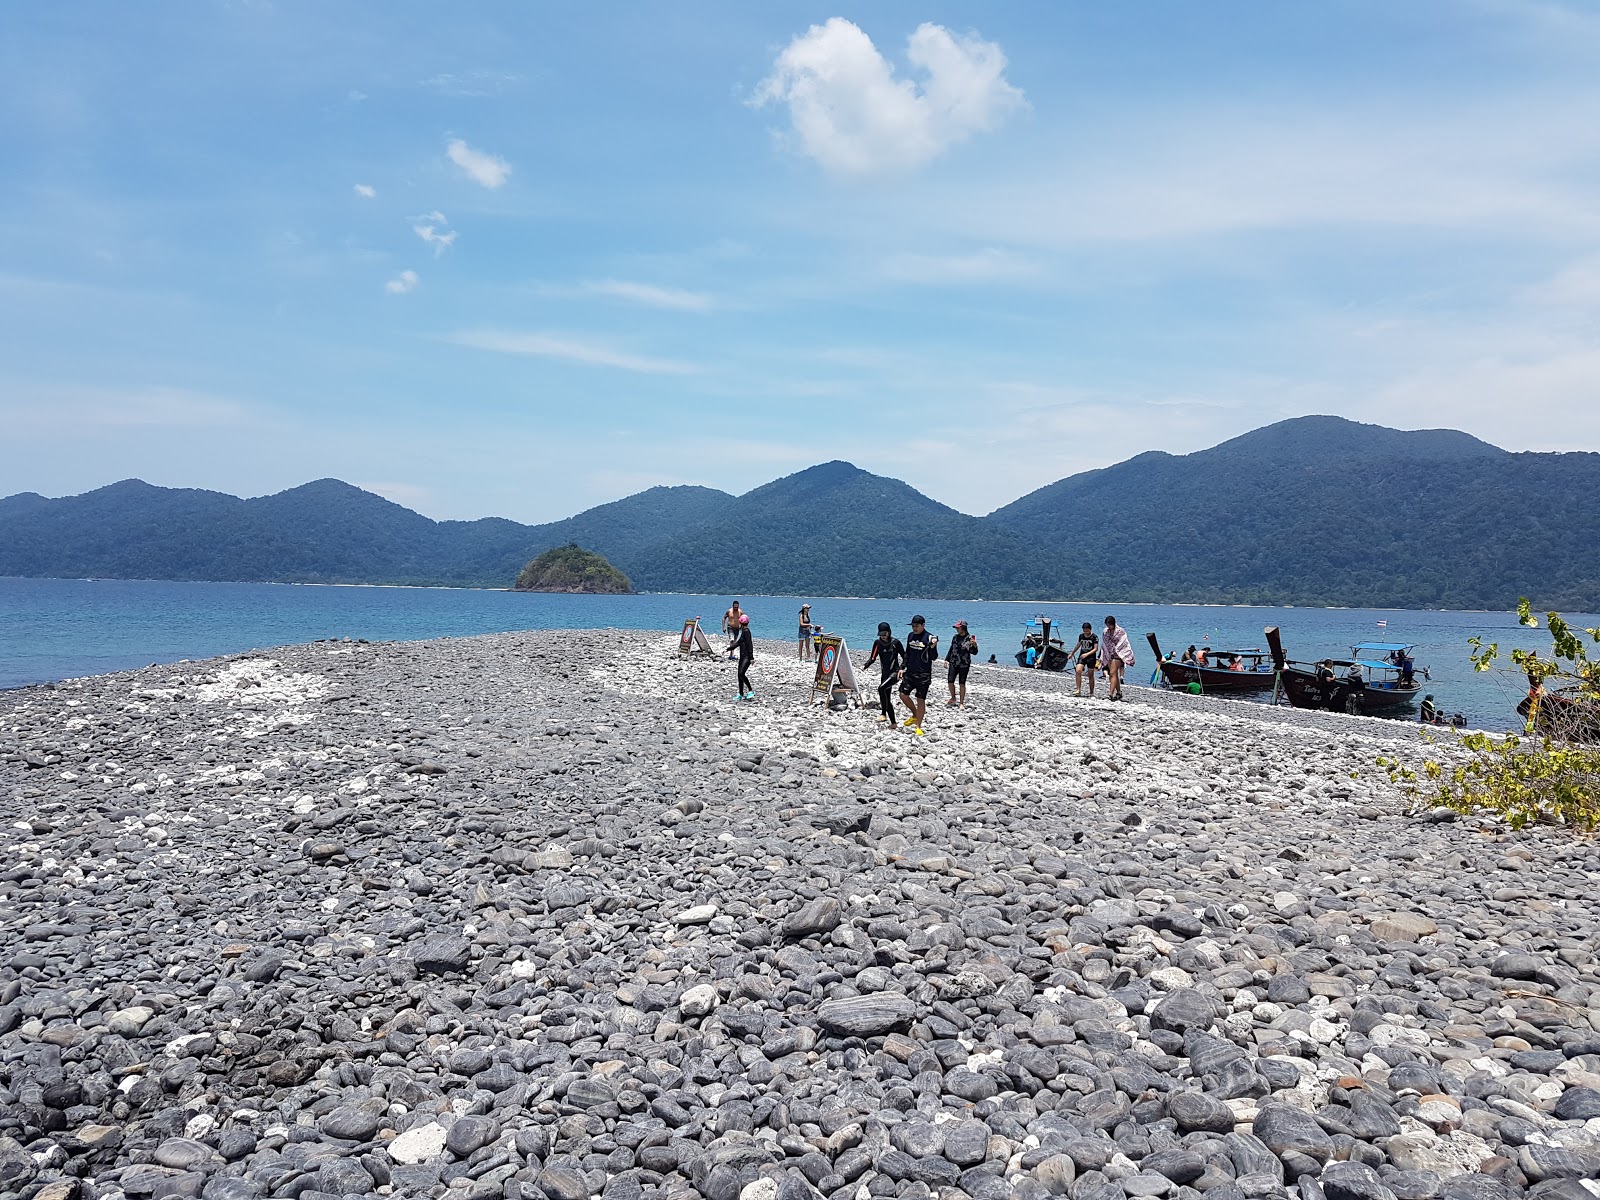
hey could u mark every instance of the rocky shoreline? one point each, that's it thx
(552, 914)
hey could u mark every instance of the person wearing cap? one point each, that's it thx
(745, 645)
(958, 660)
(1430, 714)
(806, 630)
(888, 652)
(922, 649)
(730, 626)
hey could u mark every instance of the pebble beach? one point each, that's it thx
(554, 915)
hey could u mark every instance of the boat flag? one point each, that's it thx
(1383, 624)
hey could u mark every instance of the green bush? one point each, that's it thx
(1551, 772)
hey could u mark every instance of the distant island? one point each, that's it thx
(571, 568)
(1310, 511)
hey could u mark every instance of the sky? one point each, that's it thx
(517, 259)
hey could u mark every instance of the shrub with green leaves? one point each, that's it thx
(1549, 772)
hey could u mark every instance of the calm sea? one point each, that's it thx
(54, 629)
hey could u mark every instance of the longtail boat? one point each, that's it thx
(1255, 673)
(1358, 684)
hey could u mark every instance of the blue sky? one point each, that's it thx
(517, 259)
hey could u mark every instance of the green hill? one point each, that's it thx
(571, 568)
(1319, 510)
(1315, 510)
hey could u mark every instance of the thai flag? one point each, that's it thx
(1383, 624)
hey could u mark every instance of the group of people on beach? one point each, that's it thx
(910, 663)
(907, 665)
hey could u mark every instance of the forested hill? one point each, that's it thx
(1323, 510)
(1316, 510)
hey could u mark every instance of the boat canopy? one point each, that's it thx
(1381, 647)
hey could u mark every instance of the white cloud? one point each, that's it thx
(853, 115)
(402, 283)
(650, 295)
(983, 266)
(433, 228)
(366, 191)
(471, 84)
(544, 345)
(484, 169)
(1576, 285)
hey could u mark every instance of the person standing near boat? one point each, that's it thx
(1086, 654)
(806, 630)
(958, 660)
(888, 652)
(1116, 652)
(745, 645)
(922, 648)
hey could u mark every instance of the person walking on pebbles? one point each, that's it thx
(958, 661)
(1116, 653)
(730, 626)
(806, 630)
(888, 652)
(922, 648)
(745, 645)
(1086, 652)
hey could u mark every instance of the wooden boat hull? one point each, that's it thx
(1573, 719)
(1214, 679)
(1303, 691)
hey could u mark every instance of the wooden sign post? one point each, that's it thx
(693, 640)
(833, 669)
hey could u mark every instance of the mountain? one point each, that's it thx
(1320, 510)
(1315, 510)
(326, 531)
(833, 529)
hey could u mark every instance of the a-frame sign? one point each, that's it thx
(693, 640)
(833, 669)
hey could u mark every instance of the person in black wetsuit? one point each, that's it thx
(958, 660)
(745, 645)
(888, 652)
(922, 649)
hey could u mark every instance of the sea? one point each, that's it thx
(55, 629)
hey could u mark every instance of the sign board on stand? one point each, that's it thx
(693, 640)
(833, 669)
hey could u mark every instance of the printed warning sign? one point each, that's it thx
(833, 669)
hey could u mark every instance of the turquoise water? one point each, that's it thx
(62, 628)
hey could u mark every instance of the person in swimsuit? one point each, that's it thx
(730, 626)
(806, 630)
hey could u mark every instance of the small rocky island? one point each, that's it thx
(573, 569)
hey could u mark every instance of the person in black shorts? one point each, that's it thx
(922, 649)
(958, 660)
(888, 653)
(1086, 653)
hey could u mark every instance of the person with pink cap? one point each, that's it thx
(743, 643)
(958, 661)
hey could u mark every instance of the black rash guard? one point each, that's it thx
(889, 656)
(921, 649)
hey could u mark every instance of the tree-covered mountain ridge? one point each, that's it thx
(1310, 511)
